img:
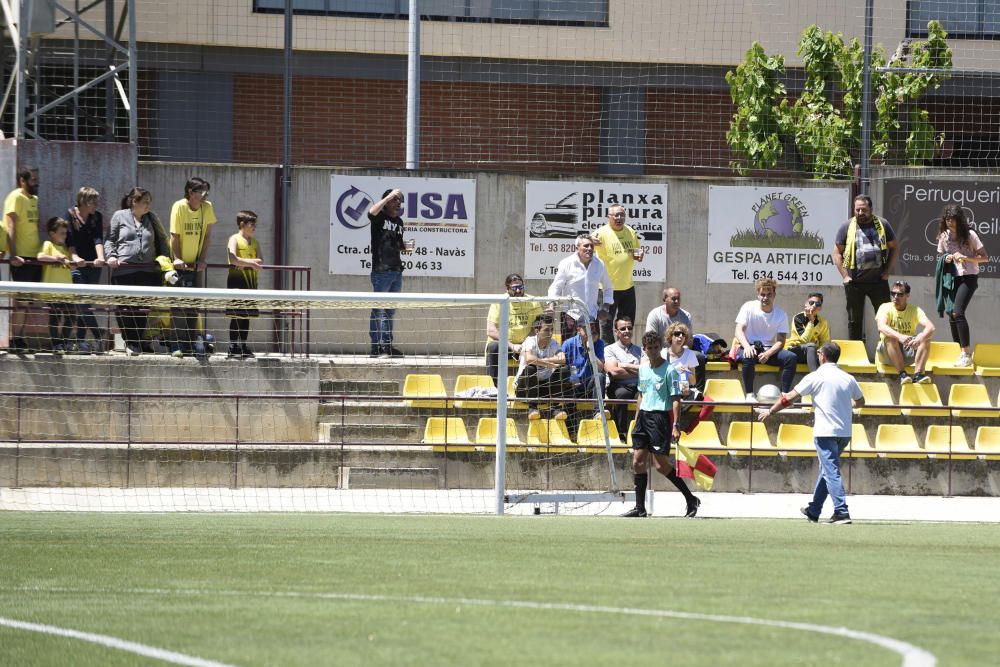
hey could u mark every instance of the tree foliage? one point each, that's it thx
(822, 125)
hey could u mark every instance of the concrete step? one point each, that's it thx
(354, 367)
(379, 433)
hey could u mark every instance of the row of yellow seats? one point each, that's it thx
(427, 391)
(451, 432)
(916, 400)
(941, 360)
(897, 440)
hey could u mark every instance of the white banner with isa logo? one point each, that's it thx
(556, 211)
(440, 215)
(782, 233)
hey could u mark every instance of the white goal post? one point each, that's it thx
(307, 407)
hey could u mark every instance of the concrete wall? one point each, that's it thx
(500, 249)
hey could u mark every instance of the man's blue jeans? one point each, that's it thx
(380, 322)
(829, 483)
(784, 359)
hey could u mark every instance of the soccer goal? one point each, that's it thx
(262, 400)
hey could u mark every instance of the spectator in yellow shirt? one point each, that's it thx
(191, 220)
(20, 213)
(900, 343)
(57, 261)
(617, 245)
(809, 331)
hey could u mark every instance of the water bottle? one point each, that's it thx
(574, 377)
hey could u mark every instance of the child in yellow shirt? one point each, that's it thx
(57, 260)
(244, 263)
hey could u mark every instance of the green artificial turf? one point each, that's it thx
(276, 589)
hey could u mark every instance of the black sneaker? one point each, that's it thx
(18, 346)
(392, 351)
(807, 515)
(376, 350)
(692, 507)
(904, 378)
(840, 518)
(235, 351)
(247, 352)
(920, 378)
(635, 512)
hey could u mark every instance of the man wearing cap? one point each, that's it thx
(583, 276)
(617, 245)
(660, 319)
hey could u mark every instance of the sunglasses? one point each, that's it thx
(516, 288)
(678, 334)
(818, 304)
(897, 294)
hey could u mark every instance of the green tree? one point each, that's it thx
(819, 131)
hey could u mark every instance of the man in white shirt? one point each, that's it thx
(835, 394)
(761, 329)
(582, 275)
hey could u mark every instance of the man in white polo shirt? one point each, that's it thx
(584, 276)
(835, 394)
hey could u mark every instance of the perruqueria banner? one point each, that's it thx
(774, 232)
(439, 213)
(913, 207)
(556, 211)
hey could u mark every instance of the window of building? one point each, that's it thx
(963, 19)
(555, 12)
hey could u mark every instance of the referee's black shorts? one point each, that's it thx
(652, 431)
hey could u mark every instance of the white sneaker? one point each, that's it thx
(751, 397)
(964, 360)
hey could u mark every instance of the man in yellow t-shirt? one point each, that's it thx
(899, 342)
(191, 221)
(520, 325)
(21, 241)
(618, 246)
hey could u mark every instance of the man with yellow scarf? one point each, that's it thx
(865, 252)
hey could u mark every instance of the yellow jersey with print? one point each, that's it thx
(522, 317)
(616, 253)
(25, 207)
(190, 226)
(56, 273)
(245, 249)
(902, 321)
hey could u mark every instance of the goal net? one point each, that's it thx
(262, 400)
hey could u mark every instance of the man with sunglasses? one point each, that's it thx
(387, 267)
(809, 331)
(519, 325)
(621, 362)
(899, 343)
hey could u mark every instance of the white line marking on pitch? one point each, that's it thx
(113, 642)
(913, 656)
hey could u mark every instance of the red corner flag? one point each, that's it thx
(695, 466)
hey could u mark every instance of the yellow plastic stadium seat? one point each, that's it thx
(898, 441)
(486, 432)
(986, 359)
(749, 436)
(548, 432)
(795, 439)
(704, 438)
(591, 434)
(717, 366)
(988, 442)
(971, 396)
(861, 446)
(942, 439)
(942, 357)
(466, 382)
(921, 395)
(628, 436)
(417, 387)
(854, 357)
(726, 391)
(445, 431)
(877, 393)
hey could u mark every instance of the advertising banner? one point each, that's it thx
(913, 208)
(782, 233)
(556, 211)
(440, 215)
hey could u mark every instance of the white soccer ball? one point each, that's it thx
(768, 393)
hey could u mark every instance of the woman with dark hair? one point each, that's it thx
(962, 249)
(135, 244)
